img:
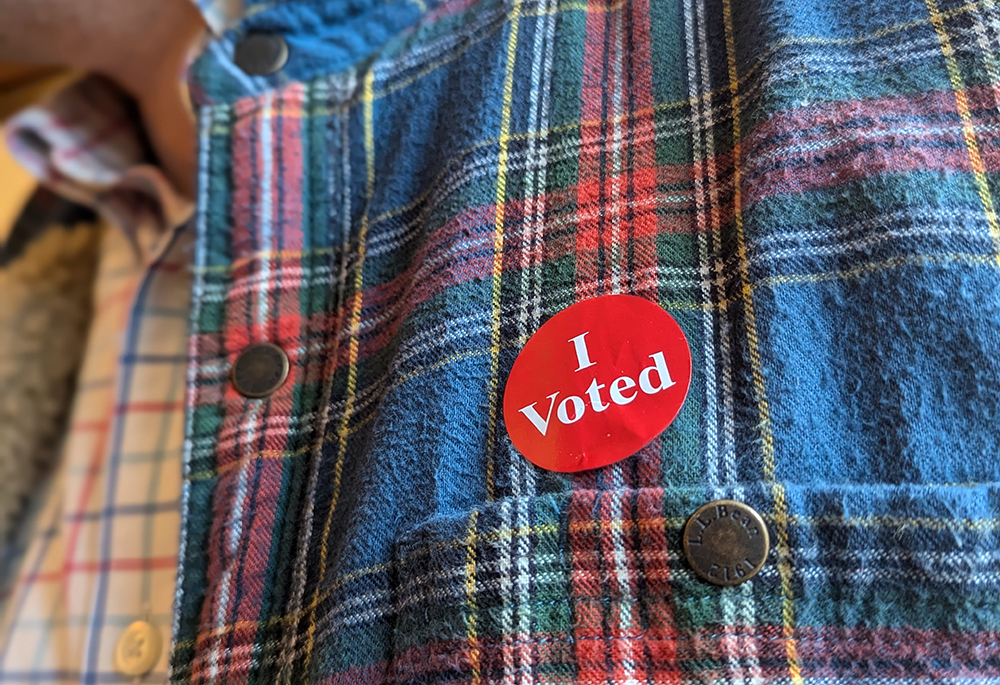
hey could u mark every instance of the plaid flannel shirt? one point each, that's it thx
(806, 186)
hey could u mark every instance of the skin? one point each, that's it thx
(141, 44)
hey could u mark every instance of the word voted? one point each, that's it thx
(585, 392)
(652, 379)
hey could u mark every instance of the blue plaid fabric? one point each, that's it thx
(807, 187)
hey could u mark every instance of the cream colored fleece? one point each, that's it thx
(45, 298)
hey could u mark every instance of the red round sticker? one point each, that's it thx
(596, 383)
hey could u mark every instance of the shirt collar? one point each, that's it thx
(84, 140)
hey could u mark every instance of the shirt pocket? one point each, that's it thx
(592, 586)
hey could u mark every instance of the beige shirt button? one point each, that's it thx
(138, 649)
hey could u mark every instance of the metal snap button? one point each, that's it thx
(726, 542)
(138, 649)
(260, 370)
(261, 54)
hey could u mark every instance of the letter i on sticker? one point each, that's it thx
(597, 382)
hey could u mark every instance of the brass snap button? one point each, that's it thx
(726, 542)
(260, 370)
(261, 54)
(138, 649)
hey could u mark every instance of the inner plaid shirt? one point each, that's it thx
(103, 549)
(806, 186)
(100, 550)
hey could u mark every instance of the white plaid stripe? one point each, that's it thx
(737, 604)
